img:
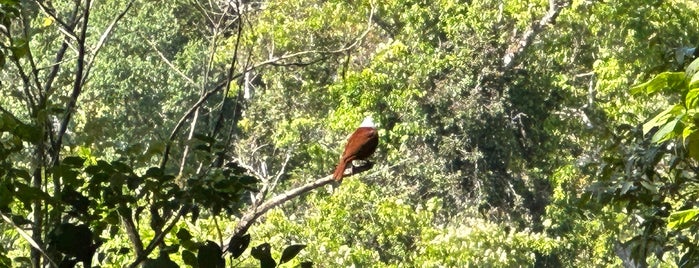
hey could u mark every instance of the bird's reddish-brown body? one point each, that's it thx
(360, 146)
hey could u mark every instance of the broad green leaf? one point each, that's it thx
(692, 68)
(666, 80)
(662, 118)
(692, 98)
(691, 142)
(681, 219)
(694, 82)
(666, 131)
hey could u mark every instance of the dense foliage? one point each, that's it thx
(557, 133)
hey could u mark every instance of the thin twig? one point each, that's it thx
(29, 239)
(103, 38)
(77, 85)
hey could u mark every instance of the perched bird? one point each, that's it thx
(360, 146)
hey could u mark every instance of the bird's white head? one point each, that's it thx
(368, 122)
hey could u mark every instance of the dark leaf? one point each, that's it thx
(210, 255)
(161, 262)
(154, 172)
(183, 235)
(92, 170)
(121, 167)
(290, 252)
(190, 259)
(204, 138)
(68, 263)
(19, 220)
(264, 254)
(5, 195)
(74, 161)
(72, 240)
(238, 244)
(306, 264)
(79, 202)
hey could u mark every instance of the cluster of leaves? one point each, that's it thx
(650, 172)
(359, 226)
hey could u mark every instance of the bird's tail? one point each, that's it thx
(340, 169)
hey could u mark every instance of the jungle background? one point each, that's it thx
(201, 133)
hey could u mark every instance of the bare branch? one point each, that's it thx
(132, 231)
(64, 28)
(270, 61)
(77, 85)
(515, 50)
(249, 218)
(103, 38)
(169, 63)
(158, 238)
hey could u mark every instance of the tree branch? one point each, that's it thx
(249, 218)
(103, 38)
(29, 239)
(158, 238)
(77, 85)
(516, 49)
(209, 93)
(131, 231)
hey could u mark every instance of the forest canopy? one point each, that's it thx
(559, 133)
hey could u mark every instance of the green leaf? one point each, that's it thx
(662, 117)
(692, 98)
(666, 131)
(666, 80)
(74, 161)
(20, 50)
(694, 82)
(290, 252)
(210, 255)
(122, 167)
(692, 68)
(682, 219)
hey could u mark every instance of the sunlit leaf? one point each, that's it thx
(694, 82)
(681, 219)
(663, 81)
(667, 131)
(661, 118)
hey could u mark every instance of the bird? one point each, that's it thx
(361, 144)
